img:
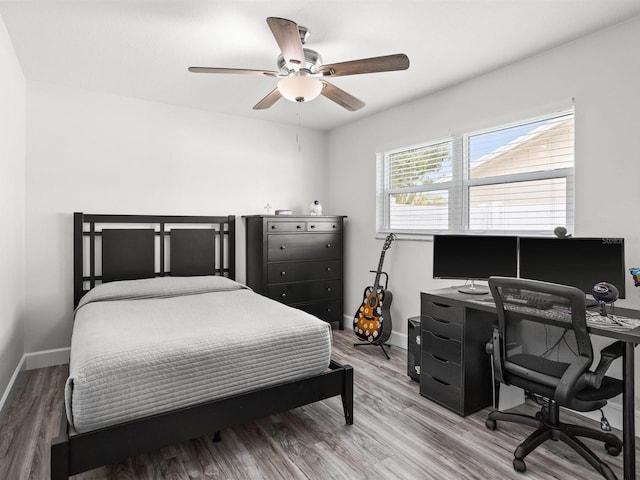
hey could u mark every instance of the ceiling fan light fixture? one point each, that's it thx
(300, 88)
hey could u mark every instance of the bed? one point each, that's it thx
(168, 347)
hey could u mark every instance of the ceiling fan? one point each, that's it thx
(302, 74)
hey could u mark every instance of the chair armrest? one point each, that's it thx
(568, 385)
(607, 356)
(493, 349)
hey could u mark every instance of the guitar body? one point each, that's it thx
(372, 321)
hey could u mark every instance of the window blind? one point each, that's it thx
(517, 178)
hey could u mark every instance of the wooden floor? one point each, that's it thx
(397, 434)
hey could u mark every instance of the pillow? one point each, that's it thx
(159, 287)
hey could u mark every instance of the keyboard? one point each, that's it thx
(614, 322)
(544, 306)
(590, 302)
(534, 300)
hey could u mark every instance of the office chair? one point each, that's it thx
(542, 345)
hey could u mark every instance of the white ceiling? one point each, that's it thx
(142, 48)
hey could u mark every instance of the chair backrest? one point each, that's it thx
(542, 328)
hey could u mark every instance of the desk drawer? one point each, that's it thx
(304, 246)
(440, 391)
(443, 369)
(442, 347)
(302, 271)
(305, 291)
(442, 311)
(443, 328)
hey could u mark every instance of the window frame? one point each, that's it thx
(459, 208)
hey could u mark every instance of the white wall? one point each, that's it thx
(12, 205)
(600, 71)
(100, 153)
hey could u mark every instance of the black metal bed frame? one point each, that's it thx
(72, 453)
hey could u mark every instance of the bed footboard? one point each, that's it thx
(72, 454)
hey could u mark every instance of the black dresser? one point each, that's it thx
(298, 260)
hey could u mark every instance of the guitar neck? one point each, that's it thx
(376, 283)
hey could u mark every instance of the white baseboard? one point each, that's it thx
(398, 340)
(47, 358)
(31, 361)
(9, 391)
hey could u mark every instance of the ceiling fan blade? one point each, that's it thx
(241, 71)
(341, 97)
(272, 97)
(288, 38)
(387, 63)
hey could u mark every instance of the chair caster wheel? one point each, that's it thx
(519, 465)
(613, 450)
(490, 424)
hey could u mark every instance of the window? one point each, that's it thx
(514, 179)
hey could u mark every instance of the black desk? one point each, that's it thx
(474, 308)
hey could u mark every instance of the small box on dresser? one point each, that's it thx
(298, 260)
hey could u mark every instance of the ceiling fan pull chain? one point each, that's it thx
(299, 132)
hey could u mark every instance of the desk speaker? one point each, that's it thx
(413, 348)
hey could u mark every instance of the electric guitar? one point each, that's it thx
(372, 321)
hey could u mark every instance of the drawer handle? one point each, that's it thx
(328, 269)
(440, 381)
(273, 227)
(312, 226)
(282, 247)
(439, 320)
(328, 310)
(328, 245)
(440, 336)
(283, 295)
(282, 274)
(439, 358)
(441, 305)
(298, 227)
(328, 289)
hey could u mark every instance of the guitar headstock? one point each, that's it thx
(388, 241)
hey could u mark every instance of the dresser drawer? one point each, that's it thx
(306, 291)
(329, 311)
(442, 311)
(443, 369)
(279, 226)
(304, 246)
(302, 271)
(442, 347)
(324, 226)
(440, 391)
(443, 328)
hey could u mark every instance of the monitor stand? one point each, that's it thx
(474, 289)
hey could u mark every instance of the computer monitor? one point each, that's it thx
(580, 262)
(474, 257)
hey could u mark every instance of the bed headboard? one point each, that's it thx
(126, 247)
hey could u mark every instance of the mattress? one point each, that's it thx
(143, 347)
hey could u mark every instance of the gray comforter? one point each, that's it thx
(147, 346)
